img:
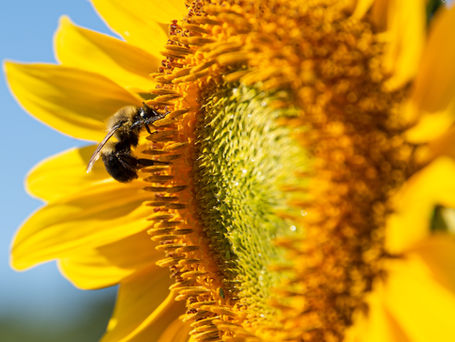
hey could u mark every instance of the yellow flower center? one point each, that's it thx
(285, 148)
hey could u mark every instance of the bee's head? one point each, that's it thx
(142, 115)
(144, 112)
(148, 114)
(145, 115)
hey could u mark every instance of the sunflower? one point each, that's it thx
(300, 181)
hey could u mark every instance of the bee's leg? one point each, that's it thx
(148, 128)
(142, 162)
(152, 119)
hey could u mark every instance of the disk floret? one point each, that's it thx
(339, 130)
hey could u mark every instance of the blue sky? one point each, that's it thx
(26, 33)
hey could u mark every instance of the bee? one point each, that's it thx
(125, 125)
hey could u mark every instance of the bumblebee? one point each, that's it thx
(125, 125)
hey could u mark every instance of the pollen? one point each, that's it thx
(283, 146)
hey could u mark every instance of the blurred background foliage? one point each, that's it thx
(88, 324)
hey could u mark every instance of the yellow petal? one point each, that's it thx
(362, 7)
(379, 14)
(376, 324)
(438, 254)
(444, 145)
(91, 268)
(414, 204)
(156, 326)
(121, 62)
(135, 21)
(144, 308)
(406, 26)
(104, 213)
(430, 126)
(64, 174)
(424, 309)
(158, 11)
(177, 331)
(73, 101)
(435, 83)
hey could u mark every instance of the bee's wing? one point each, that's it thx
(100, 146)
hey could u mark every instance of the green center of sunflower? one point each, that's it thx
(243, 158)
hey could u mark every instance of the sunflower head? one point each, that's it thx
(297, 143)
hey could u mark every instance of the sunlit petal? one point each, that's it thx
(415, 203)
(73, 101)
(362, 7)
(159, 11)
(64, 174)
(445, 144)
(121, 62)
(430, 126)
(106, 213)
(438, 254)
(376, 324)
(406, 27)
(137, 25)
(144, 308)
(435, 82)
(91, 268)
(177, 331)
(379, 14)
(422, 307)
